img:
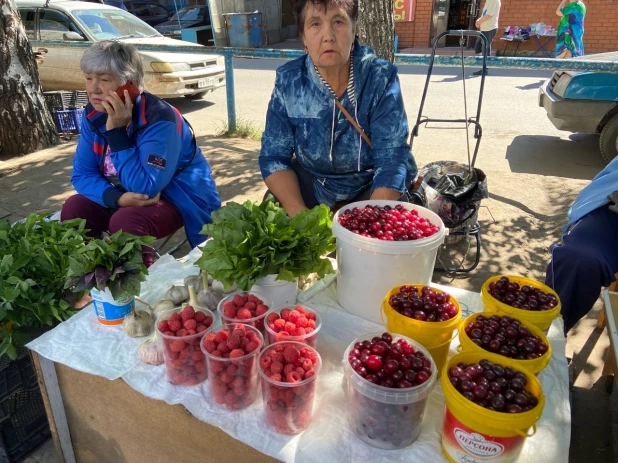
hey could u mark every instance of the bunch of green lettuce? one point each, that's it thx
(253, 240)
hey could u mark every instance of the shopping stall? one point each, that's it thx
(106, 403)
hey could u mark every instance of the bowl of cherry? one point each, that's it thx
(507, 336)
(523, 298)
(388, 378)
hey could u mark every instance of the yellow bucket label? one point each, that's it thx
(464, 445)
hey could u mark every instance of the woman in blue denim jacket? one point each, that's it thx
(311, 153)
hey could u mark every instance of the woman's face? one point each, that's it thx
(328, 35)
(98, 87)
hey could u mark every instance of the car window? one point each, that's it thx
(54, 24)
(140, 9)
(158, 10)
(27, 18)
(111, 24)
(190, 14)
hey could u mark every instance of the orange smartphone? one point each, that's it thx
(131, 88)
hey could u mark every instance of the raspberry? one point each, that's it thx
(174, 325)
(200, 328)
(238, 382)
(208, 321)
(307, 365)
(223, 347)
(265, 362)
(192, 332)
(190, 324)
(239, 301)
(261, 309)
(236, 353)
(244, 342)
(290, 327)
(199, 316)
(231, 398)
(276, 377)
(173, 355)
(225, 378)
(222, 336)
(187, 313)
(309, 330)
(300, 309)
(282, 335)
(293, 377)
(277, 357)
(179, 379)
(253, 298)
(200, 366)
(182, 332)
(168, 333)
(239, 330)
(278, 348)
(279, 324)
(251, 347)
(290, 354)
(177, 363)
(232, 370)
(163, 326)
(299, 332)
(229, 305)
(288, 369)
(300, 371)
(276, 367)
(250, 306)
(302, 322)
(233, 342)
(177, 346)
(309, 374)
(272, 317)
(244, 314)
(197, 356)
(310, 316)
(293, 316)
(271, 326)
(211, 337)
(185, 354)
(311, 323)
(285, 313)
(176, 317)
(217, 353)
(230, 312)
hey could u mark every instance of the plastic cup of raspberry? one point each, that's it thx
(181, 332)
(232, 359)
(289, 372)
(249, 308)
(297, 323)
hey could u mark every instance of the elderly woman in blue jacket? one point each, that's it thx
(336, 128)
(587, 259)
(137, 167)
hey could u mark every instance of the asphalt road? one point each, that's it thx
(517, 136)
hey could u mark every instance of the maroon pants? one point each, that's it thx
(159, 220)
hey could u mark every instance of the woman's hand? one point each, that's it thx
(385, 193)
(137, 200)
(119, 113)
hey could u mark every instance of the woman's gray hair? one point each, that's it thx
(115, 58)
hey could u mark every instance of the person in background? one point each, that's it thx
(570, 34)
(336, 128)
(488, 25)
(137, 167)
(587, 259)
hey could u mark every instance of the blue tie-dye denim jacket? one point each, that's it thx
(303, 121)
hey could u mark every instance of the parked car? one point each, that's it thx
(166, 74)
(188, 17)
(585, 102)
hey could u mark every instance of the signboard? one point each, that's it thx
(404, 10)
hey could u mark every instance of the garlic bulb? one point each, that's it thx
(138, 323)
(177, 294)
(209, 299)
(162, 306)
(150, 351)
(196, 281)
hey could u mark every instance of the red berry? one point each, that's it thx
(374, 362)
(199, 316)
(236, 353)
(174, 325)
(244, 314)
(177, 346)
(187, 313)
(190, 324)
(163, 326)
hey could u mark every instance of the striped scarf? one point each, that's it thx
(350, 89)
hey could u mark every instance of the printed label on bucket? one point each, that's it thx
(111, 310)
(464, 445)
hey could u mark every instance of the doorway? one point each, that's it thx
(452, 15)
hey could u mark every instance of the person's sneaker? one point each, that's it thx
(480, 72)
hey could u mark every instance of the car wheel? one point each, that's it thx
(608, 143)
(196, 96)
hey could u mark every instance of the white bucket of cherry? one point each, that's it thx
(382, 244)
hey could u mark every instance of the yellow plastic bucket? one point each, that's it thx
(535, 365)
(542, 319)
(436, 337)
(473, 433)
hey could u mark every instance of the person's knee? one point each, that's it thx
(128, 220)
(580, 260)
(75, 207)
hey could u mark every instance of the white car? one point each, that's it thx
(166, 75)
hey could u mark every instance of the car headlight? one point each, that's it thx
(221, 61)
(177, 32)
(562, 84)
(170, 67)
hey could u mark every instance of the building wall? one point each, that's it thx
(601, 34)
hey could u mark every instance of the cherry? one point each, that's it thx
(429, 305)
(373, 362)
(526, 297)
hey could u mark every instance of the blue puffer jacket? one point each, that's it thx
(303, 121)
(156, 153)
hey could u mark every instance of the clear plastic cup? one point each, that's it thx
(234, 381)
(383, 417)
(288, 406)
(184, 361)
(310, 339)
(257, 322)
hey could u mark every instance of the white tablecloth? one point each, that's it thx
(85, 345)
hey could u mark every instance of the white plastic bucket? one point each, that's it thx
(368, 268)
(279, 292)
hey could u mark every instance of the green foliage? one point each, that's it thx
(34, 258)
(252, 240)
(113, 262)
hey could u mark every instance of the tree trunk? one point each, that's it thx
(25, 122)
(376, 27)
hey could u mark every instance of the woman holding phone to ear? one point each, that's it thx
(137, 167)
